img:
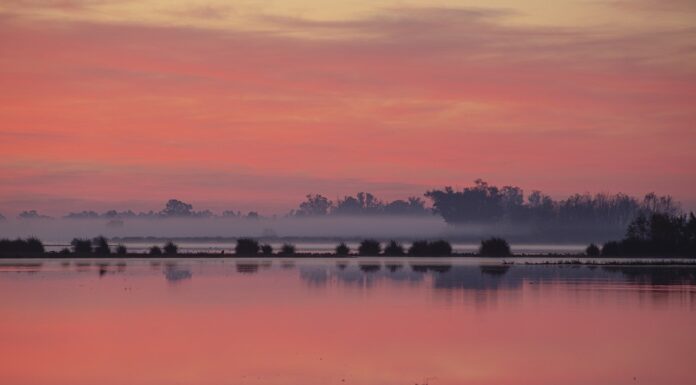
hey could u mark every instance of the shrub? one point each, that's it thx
(81, 246)
(34, 245)
(611, 249)
(64, 251)
(246, 246)
(439, 248)
(342, 249)
(494, 247)
(369, 247)
(267, 249)
(30, 245)
(155, 250)
(121, 250)
(418, 249)
(394, 249)
(101, 246)
(287, 249)
(170, 248)
(592, 250)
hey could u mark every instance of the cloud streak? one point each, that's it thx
(398, 100)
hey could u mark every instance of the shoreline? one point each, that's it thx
(559, 259)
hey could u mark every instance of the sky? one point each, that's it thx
(253, 104)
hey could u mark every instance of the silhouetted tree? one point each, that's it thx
(32, 214)
(170, 248)
(369, 247)
(362, 203)
(342, 249)
(101, 246)
(419, 249)
(494, 247)
(82, 215)
(267, 249)
(155, 250)
(440, 248)
(315, 205)
(412, 206)
(246, 246)
(177, 208)
(394, 249)
(287, 249)
(659, 234)
(121, 250)
(19, 246)
(81, 246)
(611, 249)
(592, 250)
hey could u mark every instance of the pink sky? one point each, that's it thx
(127, 104)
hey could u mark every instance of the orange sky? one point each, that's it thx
(125, 104)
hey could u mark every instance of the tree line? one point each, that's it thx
(479, 203)
(655, 234)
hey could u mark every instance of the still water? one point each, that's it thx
(355, 321)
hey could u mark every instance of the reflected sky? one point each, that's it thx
(344, 321)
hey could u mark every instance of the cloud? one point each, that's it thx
(393, 103)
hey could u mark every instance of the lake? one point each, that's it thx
(344, 321)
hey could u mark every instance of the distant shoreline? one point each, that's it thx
(565, 259)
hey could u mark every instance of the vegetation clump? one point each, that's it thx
(592, 250)
(287, 249)
(17, 246)
(121, 250)
(369, 247)
(155, 250)
(170, 248)
(101, 246)
(440, 248)
(81, 246)
(342, 249)
(659, 234)
(494, 247)
(267, 249)
(394, 249)
(246, 246)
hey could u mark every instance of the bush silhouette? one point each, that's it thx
(592, 250)
(494, 247)
(81, 246)
(287, 249)
(394, 249)
(369, 247)
(30, 246)
(342, 249)
(155, 250)
(267, 249)
(246, 246)
(611, 249)
(439, 248)
(121, 250)
(419, 249)
(101, 246)
(170, 248)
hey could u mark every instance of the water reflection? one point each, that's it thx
(322, 321)
(247, 267)
(175, 274)
(497, 276)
